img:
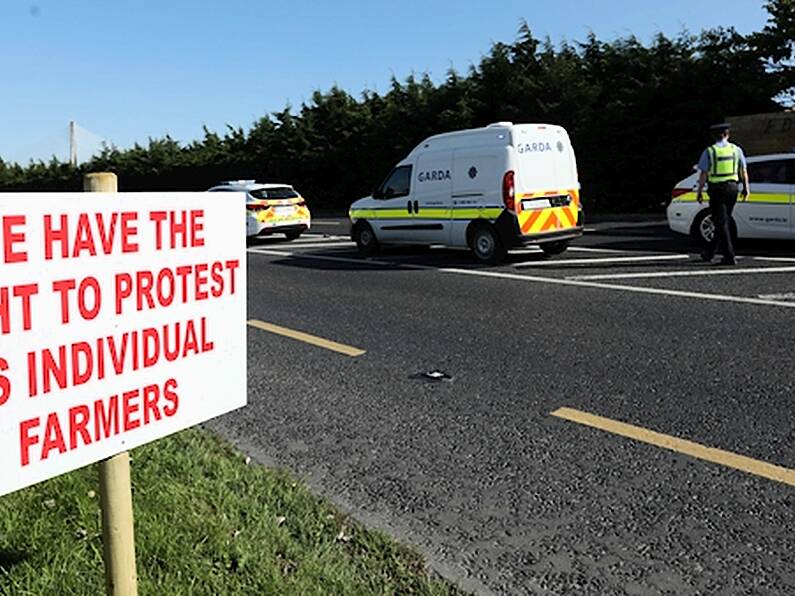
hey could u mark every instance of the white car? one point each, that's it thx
(270, 208)
(768, 212)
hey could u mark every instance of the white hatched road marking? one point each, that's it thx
(700, 272)
(599, 261)
(545, 280)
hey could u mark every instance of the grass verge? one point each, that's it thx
(206, 523)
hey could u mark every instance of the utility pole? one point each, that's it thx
(73, 143)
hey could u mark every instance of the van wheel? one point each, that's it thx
(703, 230)
(365, 239)
(486, 245)
(555, 248)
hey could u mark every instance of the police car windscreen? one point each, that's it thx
(281, 192)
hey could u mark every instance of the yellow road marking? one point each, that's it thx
(307, 338)
(710, 454)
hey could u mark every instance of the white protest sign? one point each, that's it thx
(122, 320)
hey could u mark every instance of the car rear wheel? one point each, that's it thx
(292, 235)
(555, 248)
(486, 245)
(365, 239)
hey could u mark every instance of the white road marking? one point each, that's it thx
(543, 280)
(322, 237)
(775, 259)
(326, 222)
(786, 296)
(336, 243)
(599, 261)
(691, 273)
(316, 257)
(594, 249)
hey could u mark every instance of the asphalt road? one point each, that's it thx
(501, 495)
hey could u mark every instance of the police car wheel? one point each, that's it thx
(292, 235)
(703, 227)
(555, 248)
(365, 239)
(486, 245)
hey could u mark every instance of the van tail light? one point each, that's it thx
(678, 192)
(509, 191)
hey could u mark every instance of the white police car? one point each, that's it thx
(270, 208)
(768, 212)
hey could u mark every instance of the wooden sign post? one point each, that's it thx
(115, 488)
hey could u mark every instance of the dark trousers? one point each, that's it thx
(722, 198)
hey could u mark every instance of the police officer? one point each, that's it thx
(721, 166)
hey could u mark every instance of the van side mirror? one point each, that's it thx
(377, 193)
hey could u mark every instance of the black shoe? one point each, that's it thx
(707, 256)
(727, 262)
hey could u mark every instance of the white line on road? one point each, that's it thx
(595, 249)
(700, 272)
(633, 289)
(775, 259)
(320, 244)
(316, 257)
(785, 296)
(322, 237)
(600, 261)
(545, 280)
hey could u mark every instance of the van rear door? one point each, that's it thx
(547, 189)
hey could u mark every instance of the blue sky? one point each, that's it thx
(131, 69)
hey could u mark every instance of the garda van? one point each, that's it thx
(489, 189)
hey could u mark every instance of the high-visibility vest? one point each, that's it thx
(724, 163)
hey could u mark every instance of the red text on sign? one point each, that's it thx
(89, 297)
(11, 239)
(90, 235)
(22, 294)
(5, 382)
(103, 419)
(78, 363)
(182, 229)
(147, 290)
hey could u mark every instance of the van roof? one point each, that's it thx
(498, 133)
